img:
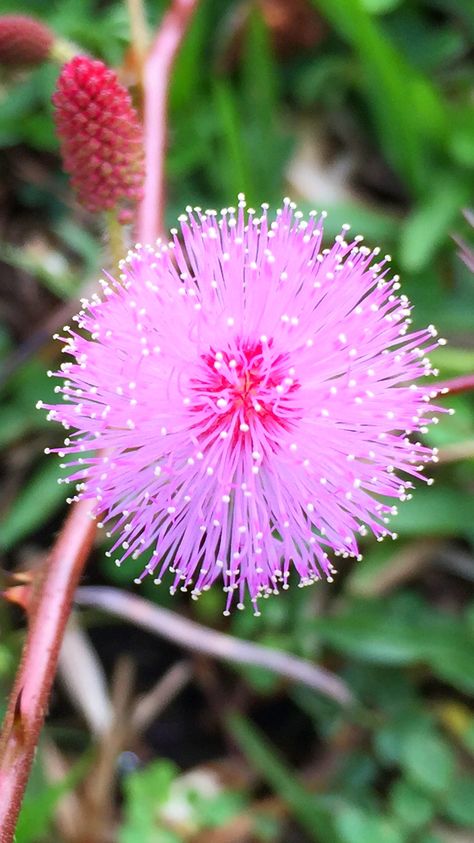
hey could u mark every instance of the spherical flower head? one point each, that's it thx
(242, 401)
(24, 41)
(101, 136)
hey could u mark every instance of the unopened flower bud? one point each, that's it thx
(23, 41)
(100, 134)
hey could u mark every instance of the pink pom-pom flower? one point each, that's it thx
(241, 401)
(100, 133)
(24, 40)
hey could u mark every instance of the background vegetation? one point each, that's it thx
(366, 108)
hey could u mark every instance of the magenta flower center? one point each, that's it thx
(250, 387)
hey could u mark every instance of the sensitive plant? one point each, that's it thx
(243, 401)
(345, 391)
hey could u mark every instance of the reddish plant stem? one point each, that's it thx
(464, 383)
(29, 697)
(52, 605)
(156, 82)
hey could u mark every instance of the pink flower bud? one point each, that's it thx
(23, 40)
(100, 134)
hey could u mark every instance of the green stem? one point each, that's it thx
(115, 235)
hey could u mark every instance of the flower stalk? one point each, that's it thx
(156, 84)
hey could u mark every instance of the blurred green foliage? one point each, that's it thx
(390, 81)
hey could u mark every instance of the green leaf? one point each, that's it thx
(357, 826)
(319, 81)
(371, 631)
(428, 225)
(380, 7)
(16, 103)
(37, 811)
(357, 775)
(428, 761)
(7, 665)
(456, 428)
(384, 687)
(261, 680)
(214, 811)
(425, 47)
(146, 791)
(453, 361)
(375, 226)
(413, 807)
(461, 134)
(391, 737)
(451, 658)
(459, 804)
(403, 630)
(435, 511)
(23, 388)
(12, 426)
(40, 498)
(364, 578)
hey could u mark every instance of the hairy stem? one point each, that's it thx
(156, 81)
(29, 697)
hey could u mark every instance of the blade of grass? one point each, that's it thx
(394, 90)
(309, 809)
(259, 104)
(37, 501)
(234, 164)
